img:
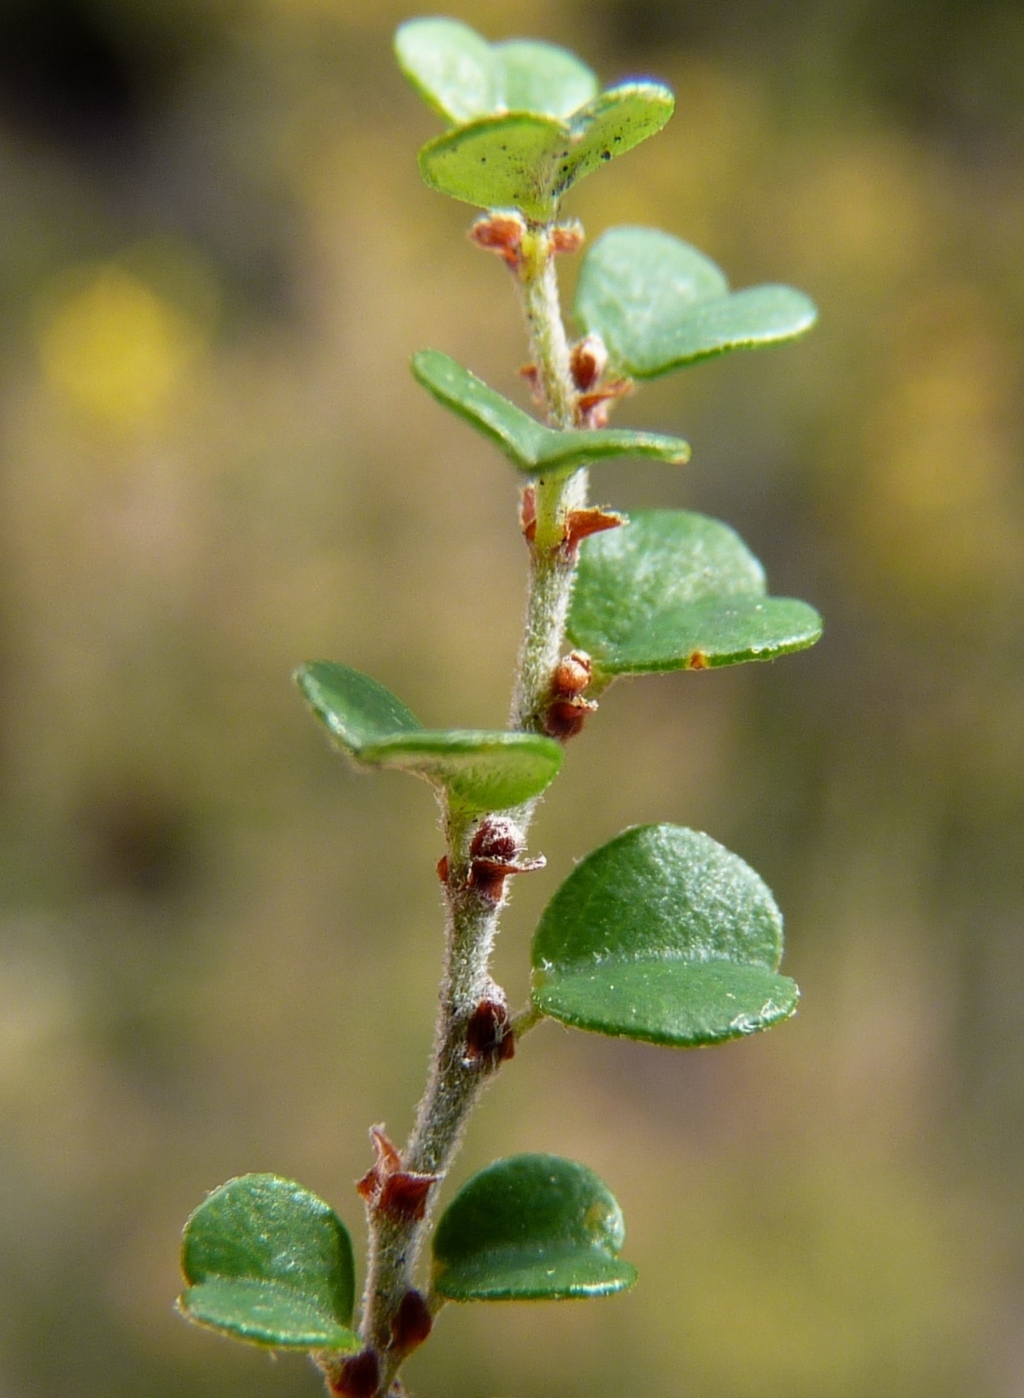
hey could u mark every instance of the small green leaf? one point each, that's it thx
(533, 1227)
(498, 162)
(358, 710)
(268, 1262)
(659, 304)
(612, 124)
(482, 770)
(450, 65)
(662, 935)
(529, 445)
(462, 76)
(542, 78)
(527, 162)
(672, 590)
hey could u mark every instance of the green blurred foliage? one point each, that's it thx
(219, 945)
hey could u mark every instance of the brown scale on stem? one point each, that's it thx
(567, 709)
(528, 514)
(359, 1377)
(580, 524)
(411, 1324)
(588, 360)
(594, 407)
(404, 1195)
(386, 1163)
(530, 373)
(388, 1189)
(567, 237)
(495, 853)
(592, 404)
(490, 1039)
(501, 233)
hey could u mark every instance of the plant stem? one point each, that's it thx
(471, 917)
(548, 343)
(553, 569)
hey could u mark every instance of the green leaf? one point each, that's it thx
(462, 76)
(542, 78)
(662, 935)
(658, 304)
(498, 162)
(611, 125)
(529, 445)
(528, 162)
(533, 1227)
(482, 770)
(672, 590)
(268, 1262)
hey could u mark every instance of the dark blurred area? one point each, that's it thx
(219, 946)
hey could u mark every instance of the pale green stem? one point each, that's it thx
(472, 923)
(525, 1020)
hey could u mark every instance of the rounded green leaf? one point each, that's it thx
(462, 76)
(482, 770)
(539, 77)
(659, 304)
(449, 65)
(612, 124)
(499, 162)
(528, 444)
(357, 709)
(269, 1262)
(532, 1227)
(526, 161)
(672, 590)
(662, 935)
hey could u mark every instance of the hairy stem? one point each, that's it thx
(552, 568)
(471, 916)
(454, 1084)
(548, 342)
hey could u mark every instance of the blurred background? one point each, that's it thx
(219, 946)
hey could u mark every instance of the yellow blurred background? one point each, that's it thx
(219, 946)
